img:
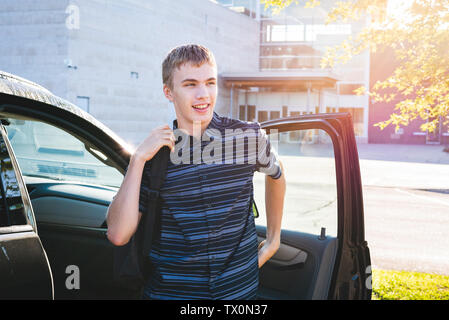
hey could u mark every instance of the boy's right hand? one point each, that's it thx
(159, 137)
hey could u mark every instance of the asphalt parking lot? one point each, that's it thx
(406, 201)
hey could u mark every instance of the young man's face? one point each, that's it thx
(193, 94)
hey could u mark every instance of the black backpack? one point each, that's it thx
(131, 262)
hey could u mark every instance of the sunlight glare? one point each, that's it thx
(399, 9)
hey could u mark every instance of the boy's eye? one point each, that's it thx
(212, 83)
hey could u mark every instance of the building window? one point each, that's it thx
(284, 111)
(242, 113)
(83, 103)
(301, 32)
(285, 33)
(275, 115)
(247, 113)
(251, 113)
(313, 30)
(262, 116)
(292, 56)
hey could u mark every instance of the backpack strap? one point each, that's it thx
(156, 179)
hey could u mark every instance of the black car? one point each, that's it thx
(60, 169)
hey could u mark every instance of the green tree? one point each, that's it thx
(418, 35)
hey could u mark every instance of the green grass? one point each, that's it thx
(403, 285)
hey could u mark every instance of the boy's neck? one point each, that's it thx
(195, 129)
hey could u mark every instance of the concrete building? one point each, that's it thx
(290, 80)
(105, 56)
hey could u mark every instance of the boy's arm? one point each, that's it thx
(274, 203)
(123, 213)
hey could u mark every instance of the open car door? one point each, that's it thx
(323, 252)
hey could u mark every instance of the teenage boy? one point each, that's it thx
(207, 247)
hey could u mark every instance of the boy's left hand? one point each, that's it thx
(266, 250)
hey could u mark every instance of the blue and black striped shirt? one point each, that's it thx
(208, 244)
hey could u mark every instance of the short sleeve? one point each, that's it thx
(267, 158)
(144, 188)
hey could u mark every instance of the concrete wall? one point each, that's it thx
(103, 41)
(116, 38)
(34, 41)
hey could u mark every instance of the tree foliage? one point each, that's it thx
(417, 34)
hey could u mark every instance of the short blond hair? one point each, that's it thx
(191, 53)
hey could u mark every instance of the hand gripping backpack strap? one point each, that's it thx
(156, 179)
(130, 261)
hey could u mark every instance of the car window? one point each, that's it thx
(12, 210)
(311, 194)
(46, 151)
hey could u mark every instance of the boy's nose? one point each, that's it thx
(202, 92)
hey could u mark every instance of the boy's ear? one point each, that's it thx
(168, 93)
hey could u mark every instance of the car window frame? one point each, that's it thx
(28, 209)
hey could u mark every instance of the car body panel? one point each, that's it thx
(24, 268)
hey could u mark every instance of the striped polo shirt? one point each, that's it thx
(207, 247)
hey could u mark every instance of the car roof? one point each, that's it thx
(14, 85)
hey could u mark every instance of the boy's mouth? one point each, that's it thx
(201, 107)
